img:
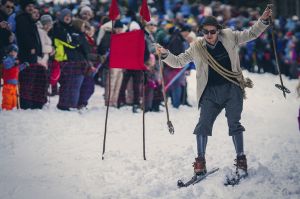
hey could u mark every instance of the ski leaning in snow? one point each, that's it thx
(235, 179)
(196, 178)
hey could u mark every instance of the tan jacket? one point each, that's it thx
(231, 41)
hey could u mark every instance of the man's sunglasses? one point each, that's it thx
(212, 32)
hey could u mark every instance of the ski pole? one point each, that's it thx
(169, 123)
(144, 147)
(18, 96)
(279, 86)
(107, 105)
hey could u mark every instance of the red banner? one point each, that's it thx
(113, 10)
(144, 12)
(127, 50)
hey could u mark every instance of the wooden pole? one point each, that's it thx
(107, 104)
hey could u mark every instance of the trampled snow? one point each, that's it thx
(53, 154)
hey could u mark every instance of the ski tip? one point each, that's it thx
(235, 180)
(180, 184)
(215, 169)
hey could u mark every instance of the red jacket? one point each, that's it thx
(10, 74)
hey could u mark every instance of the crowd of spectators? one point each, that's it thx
(64, 49)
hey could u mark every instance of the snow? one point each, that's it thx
(53, 154)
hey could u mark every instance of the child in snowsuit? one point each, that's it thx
(10, 76)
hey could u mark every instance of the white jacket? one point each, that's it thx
(47, 46)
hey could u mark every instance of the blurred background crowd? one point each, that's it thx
(62, 47)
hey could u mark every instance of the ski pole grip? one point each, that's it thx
(270, 6)
(171, 127)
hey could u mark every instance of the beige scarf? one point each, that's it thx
(229, 75)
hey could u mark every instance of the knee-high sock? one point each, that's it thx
(238, 141)
(201, 145)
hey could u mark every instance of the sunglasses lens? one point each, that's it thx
(206, 32)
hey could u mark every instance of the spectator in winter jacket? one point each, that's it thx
(44, 26)
(88, 46)
(136, 76)
(26, 32)
(71, 52)
(176, 46)
(11, 70)
(6, 35)
(103, 44)
(214, 54)
(152, 86)
(88, 85)
(33, 80)
(185, 32)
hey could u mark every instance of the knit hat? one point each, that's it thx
(25, 3)
(12, 47)
(85, 3)
(64, 13)
(46, 19)
(211, 21)
(134, 26)
(86, 9)
(185, 28)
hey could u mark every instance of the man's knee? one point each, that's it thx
(203, 128)
(235, 128)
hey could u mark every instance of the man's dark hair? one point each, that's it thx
(212, 21)
(3, 2)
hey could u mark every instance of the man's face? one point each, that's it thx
(29, 8)
(8, 7)
(86, 16)
(90, 31)
(68, 19)
(152, 28)
(210, 34)
(118, 30)
(185, 34)
(35, 14)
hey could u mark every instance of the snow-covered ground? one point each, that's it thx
(53, 154)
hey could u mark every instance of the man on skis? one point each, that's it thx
(220, 83)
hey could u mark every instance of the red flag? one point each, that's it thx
(127, 50)
(144, 12)
(113, 10)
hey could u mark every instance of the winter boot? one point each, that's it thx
(135, 108)
(199, 166)
(241, 164)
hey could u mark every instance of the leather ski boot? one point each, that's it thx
(200, 166)
(241, 164)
